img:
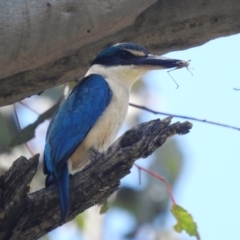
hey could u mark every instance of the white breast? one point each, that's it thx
(106, 128)
(104, 132)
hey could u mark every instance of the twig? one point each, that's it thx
(28, 132)
(185, 117)
(19, 127)
(162, 179)
(25, 105)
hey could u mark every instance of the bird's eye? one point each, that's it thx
(123, 54)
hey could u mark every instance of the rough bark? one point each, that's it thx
(46, 43)
(29, 216)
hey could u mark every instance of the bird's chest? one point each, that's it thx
(107, 126)
(105, 130)
(102, 134)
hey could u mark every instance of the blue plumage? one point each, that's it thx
(68, 128)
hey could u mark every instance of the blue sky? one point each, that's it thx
(208, 186)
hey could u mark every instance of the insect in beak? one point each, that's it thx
(181, 64)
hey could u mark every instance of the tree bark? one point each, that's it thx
(30, 216)
(47, 43)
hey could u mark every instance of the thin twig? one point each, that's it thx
(162, 179)
(19, 126)
(25, 105)
(185, 117)
(139, 176)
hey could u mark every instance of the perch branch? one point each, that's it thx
(30, 216)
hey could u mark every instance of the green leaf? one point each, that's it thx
(184, 221)
(80, 220)
(104, 207)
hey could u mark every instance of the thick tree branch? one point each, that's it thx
(46, 43)
(29, 216)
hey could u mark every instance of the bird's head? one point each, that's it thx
(129, 62)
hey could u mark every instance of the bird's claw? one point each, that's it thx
(95, 153)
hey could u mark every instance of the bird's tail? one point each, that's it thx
(63, 188)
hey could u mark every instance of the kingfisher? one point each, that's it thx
(91, 116)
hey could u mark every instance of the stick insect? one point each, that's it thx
(181, 64)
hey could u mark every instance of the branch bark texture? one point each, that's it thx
(46, 43)
(30, 216)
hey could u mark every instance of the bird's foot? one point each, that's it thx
(95, 153)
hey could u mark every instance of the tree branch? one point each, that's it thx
(30, 216)
(46, 43)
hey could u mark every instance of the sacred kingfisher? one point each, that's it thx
(91, 116)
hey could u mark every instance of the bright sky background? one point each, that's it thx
(209, 184)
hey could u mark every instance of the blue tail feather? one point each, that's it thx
(63, 188)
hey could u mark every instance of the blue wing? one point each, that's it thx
(74, 119)
(68, 128)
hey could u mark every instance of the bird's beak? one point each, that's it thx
(159, 62)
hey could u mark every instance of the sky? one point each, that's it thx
(208, 186)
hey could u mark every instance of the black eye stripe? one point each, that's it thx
(124, 53)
